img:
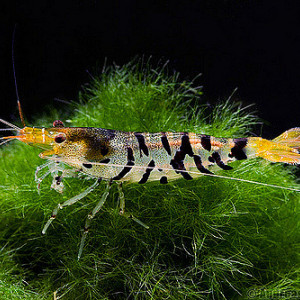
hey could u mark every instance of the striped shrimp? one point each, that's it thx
(117, 156)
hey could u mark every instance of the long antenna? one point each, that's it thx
(15, 77)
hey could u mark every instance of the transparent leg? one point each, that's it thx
(68, 203)
(91, 215)
(54, 168)
(40, 178)
(122, 207)
(40, 168)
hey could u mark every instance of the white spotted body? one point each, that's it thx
(139, 157)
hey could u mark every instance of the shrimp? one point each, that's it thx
(117, 156)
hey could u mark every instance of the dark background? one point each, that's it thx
(252, 45)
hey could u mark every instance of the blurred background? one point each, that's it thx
(249, 45)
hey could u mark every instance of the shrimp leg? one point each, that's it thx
(122, 207)
(70, 202)
(91, 215)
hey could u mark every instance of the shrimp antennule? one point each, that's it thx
(13, 127)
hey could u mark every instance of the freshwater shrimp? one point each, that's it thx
(117, 156)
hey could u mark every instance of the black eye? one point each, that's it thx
(58, 123)
(60, 138)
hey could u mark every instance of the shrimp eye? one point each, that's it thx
(60, 138)
(58, 124)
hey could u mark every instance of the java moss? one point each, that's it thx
(209, 238)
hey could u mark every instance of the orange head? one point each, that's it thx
(80, 143)
(44, 138)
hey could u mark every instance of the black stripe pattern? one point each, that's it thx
(105, 161)
(215, 157)
(186, 145)
(163, 180)
(205, 142)
(128, 167)
(88, 166)
(149, 169)
(237, 151)
(177, 161)
(141, 140)
(165, 143)
(200, 167)
(130, 156)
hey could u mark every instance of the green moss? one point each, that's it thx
(209, 237)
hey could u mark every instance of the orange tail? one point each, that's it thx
(290, 138)
(285, 148)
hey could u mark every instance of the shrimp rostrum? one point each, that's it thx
(117, 156)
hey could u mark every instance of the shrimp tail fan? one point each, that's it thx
(290, 138)
(284, 148)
